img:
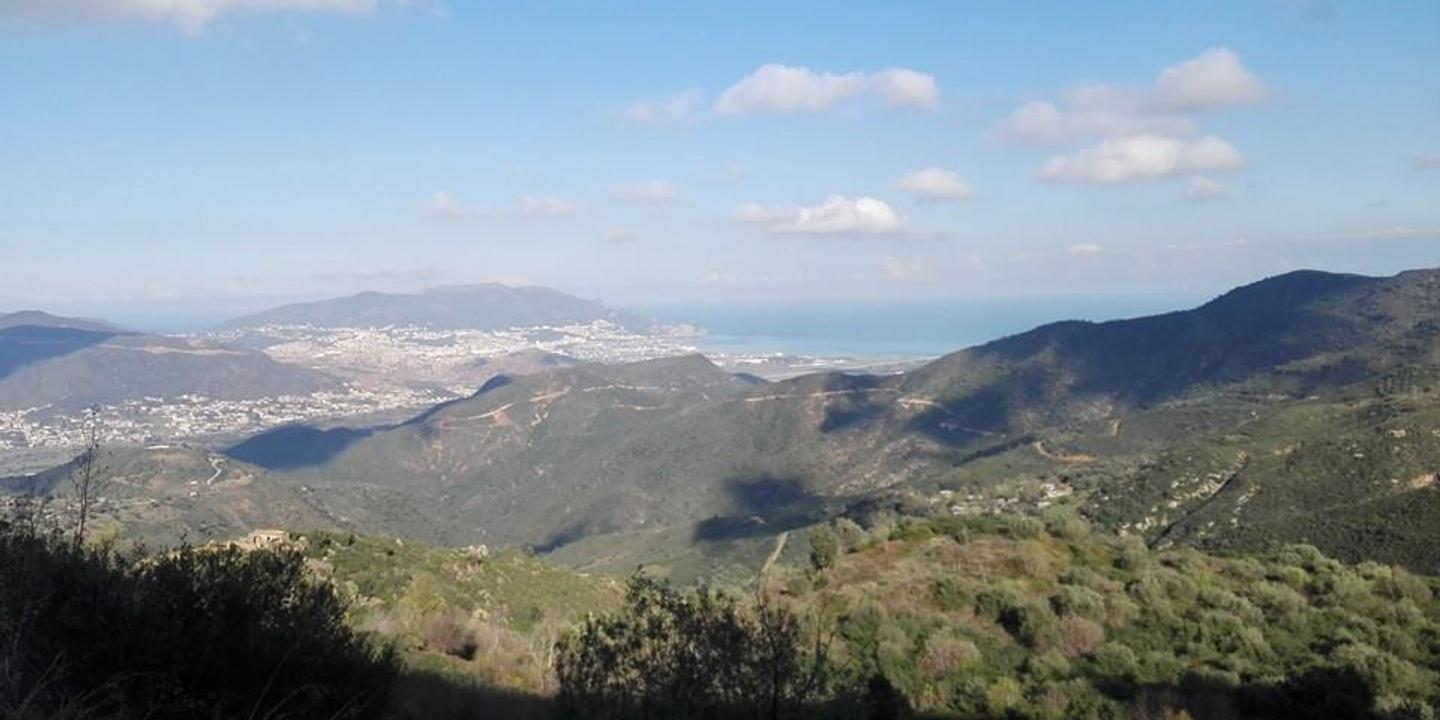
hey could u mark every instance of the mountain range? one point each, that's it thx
(1301, 408)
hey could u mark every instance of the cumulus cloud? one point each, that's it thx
(1203, 188)
(783, 89)
(1142, 156)
(675, 110)
(836, 215)
(1213, 81)
(935, 184)
(1146, 131)
(544, 206)
(652, 191)
(190, 15)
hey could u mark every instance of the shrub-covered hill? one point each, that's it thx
(1021, 617)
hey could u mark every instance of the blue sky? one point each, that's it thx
(203, 157)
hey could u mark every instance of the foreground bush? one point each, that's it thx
(200, 632)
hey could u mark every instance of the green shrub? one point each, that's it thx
(824, 548)
(1116, 661)
(1079, 601)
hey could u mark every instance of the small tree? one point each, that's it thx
(87, 476)
(824, 548)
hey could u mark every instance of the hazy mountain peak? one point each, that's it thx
(486, 306)
(39, 318)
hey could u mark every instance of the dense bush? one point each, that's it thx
(702, 655)
(198, 632)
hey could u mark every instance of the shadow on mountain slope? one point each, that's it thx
(297, 446)
(26, 345)
(763, 505)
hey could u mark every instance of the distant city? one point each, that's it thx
(389, 373)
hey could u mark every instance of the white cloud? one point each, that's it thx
(783, 89)
(678, 109)
(545, 206)
(1213, 81)
(836, 215)
(936, 184)
(1084, 249)
(615, 236)
(189, 15)
(652, 191)
(1203, 188)
(1142, 156)
(903, 87)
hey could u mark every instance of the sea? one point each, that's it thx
(890, 329)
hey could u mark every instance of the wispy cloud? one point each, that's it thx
(441, 204)
(673, 111)
(1203, 188)
(935, 184)
(189, 15)
(545, 206)
(650, 191)
(1426, 162)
